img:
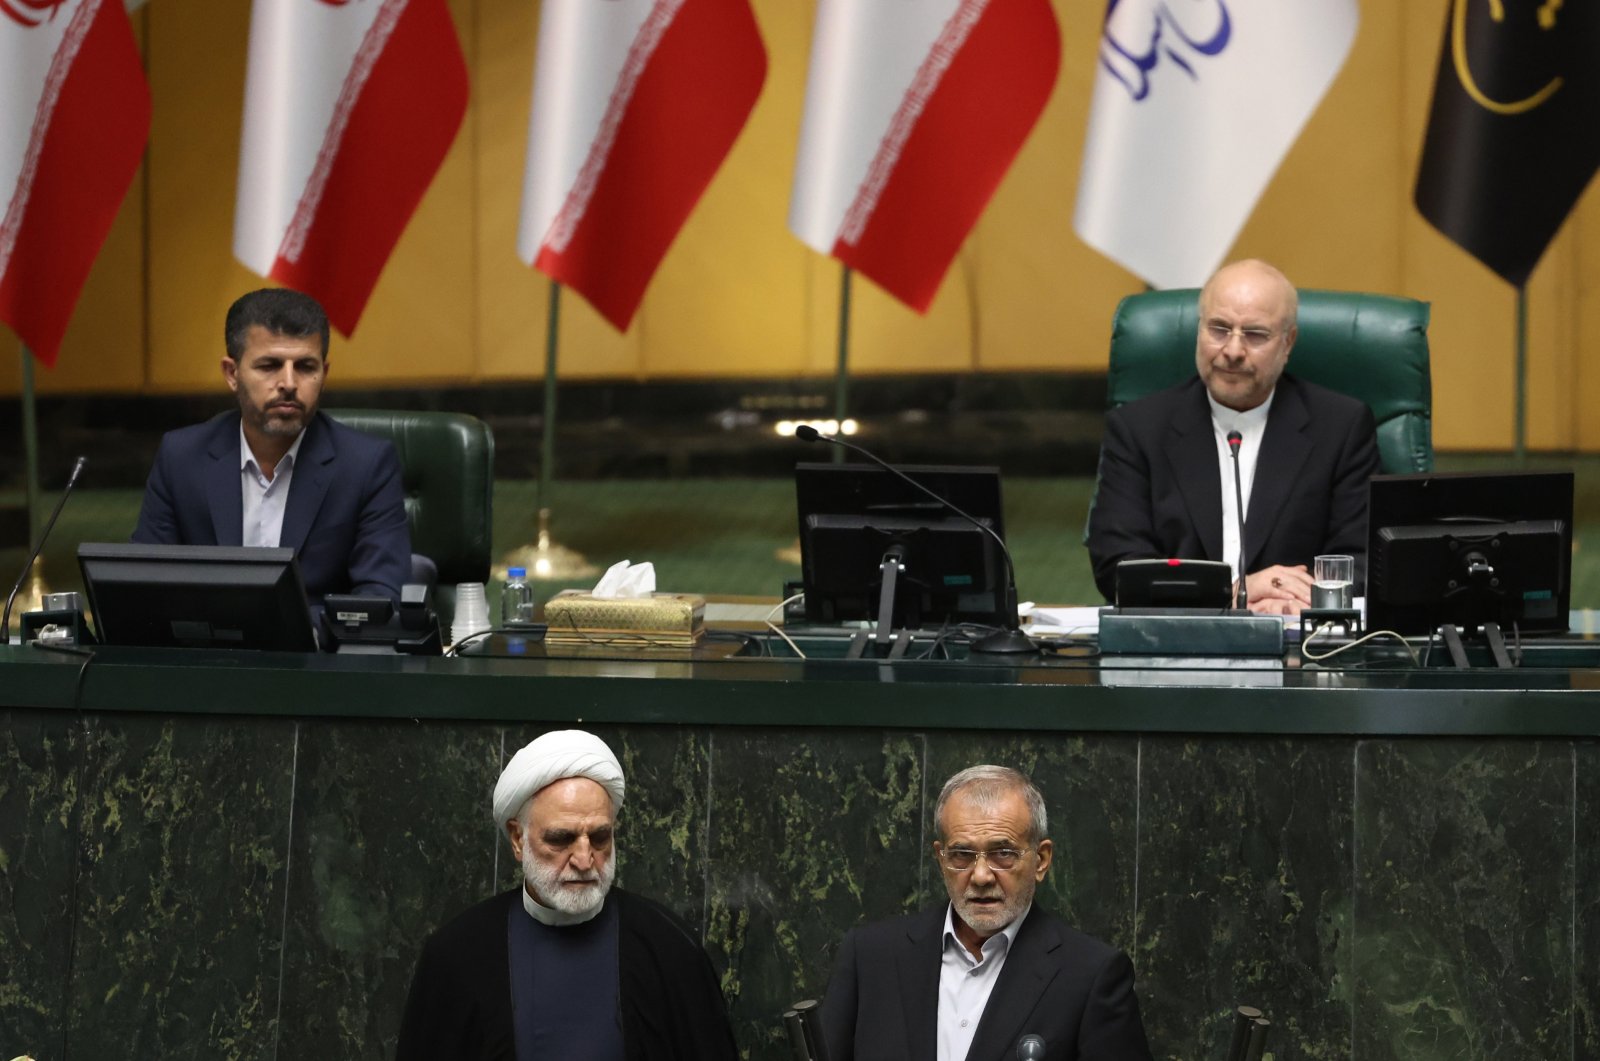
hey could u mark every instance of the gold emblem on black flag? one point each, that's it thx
(1514, 129)
(1546, 16)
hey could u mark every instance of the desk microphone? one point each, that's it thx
(1030, 1048)
(72, 480)
(1242, 597)
(1009, 638)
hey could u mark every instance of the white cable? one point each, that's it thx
(1318, 657)
(775, 628)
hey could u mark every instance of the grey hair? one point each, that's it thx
(986, 785)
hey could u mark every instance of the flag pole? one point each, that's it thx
(545, 558)
(547, 440)
(841, 376)
(790, 554)
(32, 596)
(30, 443)
(1521, 439)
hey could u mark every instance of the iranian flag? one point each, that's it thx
(635, 105)
(913, 114)
(74, 114)
(350, 106)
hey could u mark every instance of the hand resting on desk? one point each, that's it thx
(1278, 590)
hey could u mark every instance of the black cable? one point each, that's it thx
(509, 631)
(71, 650)
(938, 644)
(79, 851)
(748, 640)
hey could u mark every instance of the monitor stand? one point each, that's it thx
(884, 633)
(1492, 637)
(889, 569)
(862, 640)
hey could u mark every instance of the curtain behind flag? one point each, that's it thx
(913, 114)
(349, 110)
(74, 114)
(1514, 135)
(635, 105)
(1195, 105)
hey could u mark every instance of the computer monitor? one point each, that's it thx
(196, 596)
(853, 515)
(1469, 548)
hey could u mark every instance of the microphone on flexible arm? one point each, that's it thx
(1009, 638)
(1241, 597)
(1030, 1048)
(72, 480)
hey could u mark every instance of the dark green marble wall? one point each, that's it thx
(235, 888)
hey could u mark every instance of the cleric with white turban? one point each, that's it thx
(566, 958)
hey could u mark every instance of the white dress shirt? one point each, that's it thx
(265, 499)
(965, 984)
(1251, 426)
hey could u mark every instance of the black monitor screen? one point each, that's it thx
(196, 596)
(852, 515)
(1469, 548)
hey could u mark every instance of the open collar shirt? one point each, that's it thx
(965, 984)
(265, 499)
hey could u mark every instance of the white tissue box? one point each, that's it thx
(576, 617)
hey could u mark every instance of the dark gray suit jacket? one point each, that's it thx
(1160, 494)
(1068, 988)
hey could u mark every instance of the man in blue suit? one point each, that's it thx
(278, 473)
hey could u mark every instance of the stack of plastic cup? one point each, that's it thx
(472, 612)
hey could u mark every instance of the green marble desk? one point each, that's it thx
(217, 855)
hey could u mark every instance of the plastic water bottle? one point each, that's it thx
(516, 599)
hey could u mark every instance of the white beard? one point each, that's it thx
(546, 883)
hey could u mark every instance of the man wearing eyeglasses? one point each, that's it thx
(979, 976)
(1305, 455)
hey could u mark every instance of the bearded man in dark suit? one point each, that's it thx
(278, 473)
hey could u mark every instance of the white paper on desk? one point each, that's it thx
(1065, 620)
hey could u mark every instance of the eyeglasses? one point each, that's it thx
(961, 859)
(1252, 338)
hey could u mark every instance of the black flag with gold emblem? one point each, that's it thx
(1514, 136)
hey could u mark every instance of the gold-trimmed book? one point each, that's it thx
(575, 617)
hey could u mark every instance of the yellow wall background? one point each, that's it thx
(738, 296)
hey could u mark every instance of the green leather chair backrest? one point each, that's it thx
(447, 461)
(1372, 347)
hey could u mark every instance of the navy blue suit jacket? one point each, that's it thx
(345, 518)
(1069, 989)
(1160, 492)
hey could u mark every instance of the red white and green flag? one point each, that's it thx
(635, 105)
(74, 116)
(350, 107)
(914, 112)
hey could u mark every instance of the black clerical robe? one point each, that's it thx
(459, 1008)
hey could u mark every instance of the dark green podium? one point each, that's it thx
(220, 855)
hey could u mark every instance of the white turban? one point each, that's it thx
(556, 755)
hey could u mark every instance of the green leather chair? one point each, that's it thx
(1372, 347)
(447, 462)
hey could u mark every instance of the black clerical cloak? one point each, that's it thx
(459, 1008)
